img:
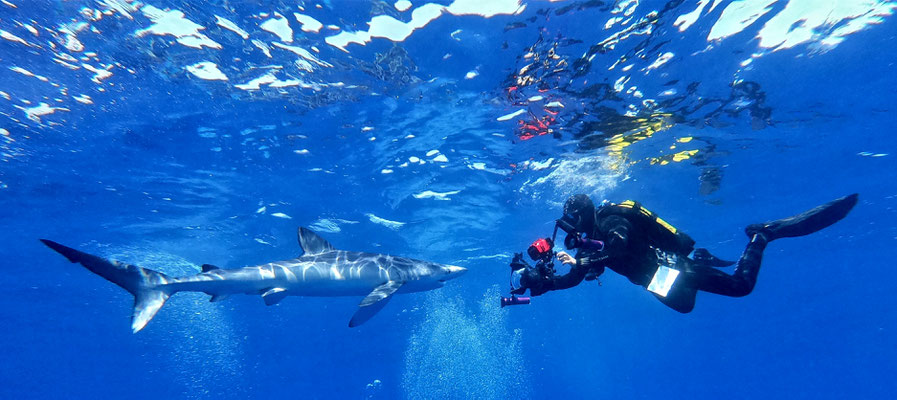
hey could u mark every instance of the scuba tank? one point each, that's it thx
(661, 234)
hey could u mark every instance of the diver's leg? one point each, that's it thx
(680, 298)
(741, 282)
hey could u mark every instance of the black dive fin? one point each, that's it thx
(807, 222)
(208, 267)
(703, 257)
(374, 302)
(311, 243)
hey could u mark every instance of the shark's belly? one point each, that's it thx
(332, 288)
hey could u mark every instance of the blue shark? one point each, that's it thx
(320, 270)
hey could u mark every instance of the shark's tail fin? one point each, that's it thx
(147, 286)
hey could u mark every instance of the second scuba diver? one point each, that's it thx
(635, 243)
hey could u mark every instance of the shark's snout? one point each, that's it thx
(454, 271)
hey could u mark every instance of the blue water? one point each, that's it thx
(404, 145)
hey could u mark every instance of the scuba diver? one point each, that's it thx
(635, 243)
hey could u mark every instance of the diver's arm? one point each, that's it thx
(568, 280)
(617, 239)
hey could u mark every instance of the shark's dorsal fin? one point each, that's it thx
(374, 302)
(311, 243)
(208, 267)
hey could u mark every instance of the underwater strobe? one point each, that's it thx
(514, 300)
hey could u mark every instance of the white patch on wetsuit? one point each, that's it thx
(663, 280)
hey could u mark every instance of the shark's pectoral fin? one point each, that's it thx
(374, 302)
(218, 297)
(274, 295)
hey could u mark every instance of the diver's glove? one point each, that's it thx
(592, 259)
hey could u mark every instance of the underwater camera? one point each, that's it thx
(542, 252)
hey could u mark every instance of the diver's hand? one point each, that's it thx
(566, 258)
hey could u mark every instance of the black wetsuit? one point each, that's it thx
(635, 246)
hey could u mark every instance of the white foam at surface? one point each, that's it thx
(206, 70)
(303, 53)
(83, 99)
(620, 84)
(390, 28)
(663, 59)
(511, 115)
(737, 16)
(539, 165)
(13, 38)
(611, 22)
(71, 31)
(42, 109)
(428, 194)
(173, 23)
(804, 21)
(325, 225)
(262, 46)
(801, 21)
(31, 29)
(121, 6)
(99, 74)
(22, 71)
(394, 225)
(627, 7)
(687, 20)
(280, 26)
(486, 9)
(256, 83)
(227, 24)
(397, 31)
(309, 24)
